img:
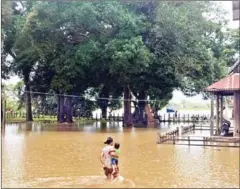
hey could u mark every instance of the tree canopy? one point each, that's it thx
(100, 49)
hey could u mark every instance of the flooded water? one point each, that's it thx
(43, 155)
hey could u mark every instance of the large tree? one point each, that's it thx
(17, 43)
(132, 49)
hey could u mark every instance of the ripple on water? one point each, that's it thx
(81, 182)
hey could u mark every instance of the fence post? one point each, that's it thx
(4, 110)
(188, 140)
(173, 139)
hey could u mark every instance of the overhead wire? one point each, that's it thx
(92, 98)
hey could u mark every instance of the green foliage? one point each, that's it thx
(152, 47)
(231, 48)
(14, 96)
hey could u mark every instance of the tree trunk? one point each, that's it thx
(103, 103)
(58, 109)
(140, 117)
(69, 110)
(61, 111)
(104, 112)
(28, 99)
(1, 111)
(127, 108)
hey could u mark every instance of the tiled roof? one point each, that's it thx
(229, 83)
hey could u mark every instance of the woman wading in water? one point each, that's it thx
(106, 157)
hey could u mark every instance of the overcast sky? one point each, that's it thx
(178, 95)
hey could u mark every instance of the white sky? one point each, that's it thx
(178, 95)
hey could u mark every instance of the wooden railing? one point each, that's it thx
(171, 135)
(119, 117)
(174, 137)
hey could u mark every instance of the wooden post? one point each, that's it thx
(123, 120)
(217, 115)
(212, 115)
(188, 140)
(173, 139)
(4, 110)
(236, 112)
(221, 111)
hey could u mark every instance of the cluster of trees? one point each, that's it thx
(113, 49)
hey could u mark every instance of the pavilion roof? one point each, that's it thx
(228, 83)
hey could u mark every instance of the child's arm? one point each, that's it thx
(113, 154)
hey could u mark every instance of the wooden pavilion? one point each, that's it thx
(228, 86)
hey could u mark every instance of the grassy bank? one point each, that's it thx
(47, 119)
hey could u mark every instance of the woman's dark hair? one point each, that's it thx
(117, 145)
(109, 140)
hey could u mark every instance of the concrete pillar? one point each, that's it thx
(236, 113)
(212, 115)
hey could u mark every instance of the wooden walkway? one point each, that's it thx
(179, 137)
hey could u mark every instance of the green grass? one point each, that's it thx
(46, 119)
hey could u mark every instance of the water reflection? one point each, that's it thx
(57, 155)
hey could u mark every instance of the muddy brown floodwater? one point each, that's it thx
(43, 155)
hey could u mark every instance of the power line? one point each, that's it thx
(83, 96)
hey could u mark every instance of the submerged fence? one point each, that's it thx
(179, 136)
(116, 117)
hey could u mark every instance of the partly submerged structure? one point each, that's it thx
(228, 86)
